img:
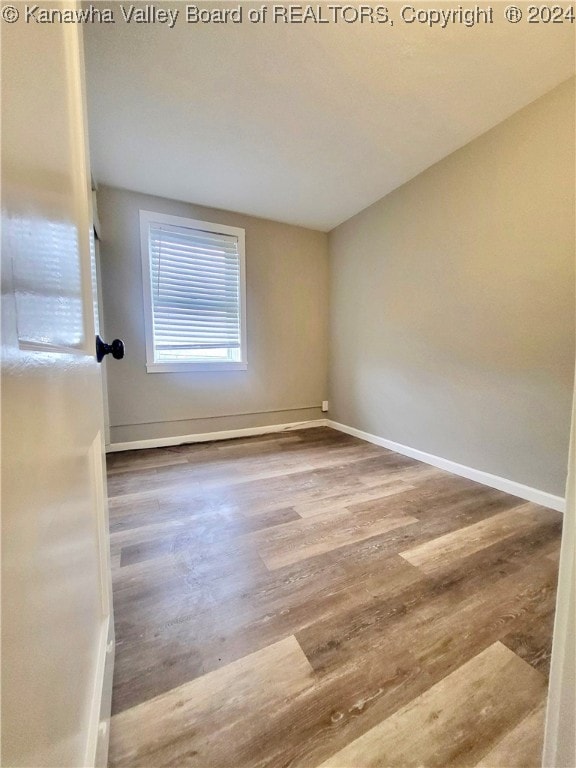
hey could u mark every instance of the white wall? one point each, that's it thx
(287, 316)
(452, 303)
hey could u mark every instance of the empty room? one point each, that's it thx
(288, 362)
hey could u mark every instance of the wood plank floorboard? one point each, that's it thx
(304, 598)
(494, 691)
(194, 721)
(433, 555)
(289, 543)
(522, 746)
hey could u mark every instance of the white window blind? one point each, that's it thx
(196, 287)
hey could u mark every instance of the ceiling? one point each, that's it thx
(303, 123)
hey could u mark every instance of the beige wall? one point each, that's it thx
(287, 291)
(452, 303)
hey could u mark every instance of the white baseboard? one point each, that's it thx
(493, 481)
(534, 495)
(99, 715)
(205, 437)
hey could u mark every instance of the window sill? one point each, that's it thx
(194, 367)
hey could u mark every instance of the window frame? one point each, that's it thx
(150, 217)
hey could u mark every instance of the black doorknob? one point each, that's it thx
(116, 349)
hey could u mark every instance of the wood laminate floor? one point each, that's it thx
(308, 599)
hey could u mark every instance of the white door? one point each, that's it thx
(57, 632)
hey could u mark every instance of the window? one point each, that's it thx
(194, 294)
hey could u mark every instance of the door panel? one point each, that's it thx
(57, 633)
